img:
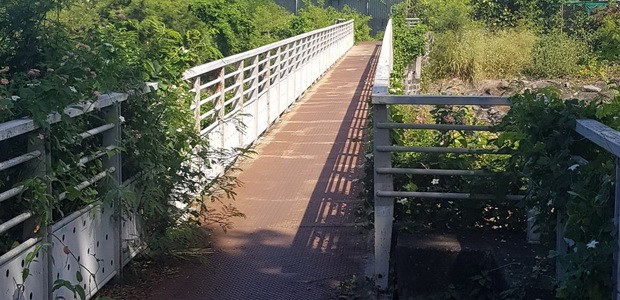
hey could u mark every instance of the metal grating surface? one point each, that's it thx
(299, 194)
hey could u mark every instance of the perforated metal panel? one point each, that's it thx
(84, 242)
(131, 227)
(12, 285)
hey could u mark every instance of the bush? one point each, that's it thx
(510, 13)
(607, 35)
(445, 15)
(569, 176)
(408, 42)
(557, 55)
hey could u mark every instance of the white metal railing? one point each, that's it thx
(237, 98)
(384, 194)
(94, 241)
(384, 209)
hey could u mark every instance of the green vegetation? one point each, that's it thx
(408, 42)
(477, 53)
(563, 175)
(570, 177)
(57, 53)
(475, 40)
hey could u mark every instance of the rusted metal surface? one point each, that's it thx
(299, 194)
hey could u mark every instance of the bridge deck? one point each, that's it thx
(299, 194)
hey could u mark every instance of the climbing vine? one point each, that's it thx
(570, 178)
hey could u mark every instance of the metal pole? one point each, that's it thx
(384, 206)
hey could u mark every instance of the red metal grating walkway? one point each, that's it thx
(299, 194)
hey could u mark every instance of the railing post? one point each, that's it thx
(268, 86)
(39, 141)
(240, 101)
(112, 137)
(197, 99)
(219, 101)
(278, 76)
(384, 206)
(616, 268)
(255, 93)
(220, 109)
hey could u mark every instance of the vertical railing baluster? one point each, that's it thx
(197, 110)
(219, 101)
(240, 101)
(255, 93)
(278, 78)
(268, 86)
(384, 206)
(220, 109)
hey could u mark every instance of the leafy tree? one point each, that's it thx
(228, 21)
(22, 32)
(607, 33)
(510, 13)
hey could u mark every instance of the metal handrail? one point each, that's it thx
(596, 132)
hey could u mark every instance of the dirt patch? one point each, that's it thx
(581, 89)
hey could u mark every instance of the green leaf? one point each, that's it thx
(60, 283)
(30, 256)
(25, 273)
(80, 290)
(78, 276)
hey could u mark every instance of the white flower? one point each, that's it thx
(550, 203)
(435, 181)
(121, 119)
(72, 88)
(15, 98)
(402, 201)
(179, 130)
(592, 244)
(573, 167)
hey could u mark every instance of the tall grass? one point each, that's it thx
(476, 53)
